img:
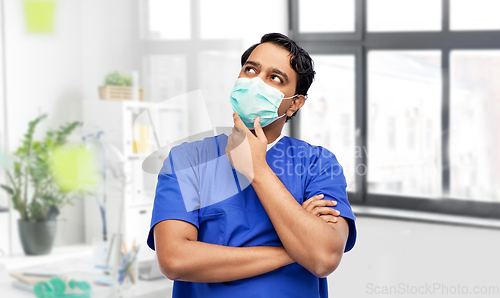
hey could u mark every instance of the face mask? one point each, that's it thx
(252, 97)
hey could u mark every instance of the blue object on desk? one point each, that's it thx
(56, 287)
(127, 261)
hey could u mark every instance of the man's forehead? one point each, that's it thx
(271, 55)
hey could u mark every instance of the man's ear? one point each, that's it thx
(297, 102)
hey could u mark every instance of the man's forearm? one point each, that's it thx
(307, 238)
(203, 262)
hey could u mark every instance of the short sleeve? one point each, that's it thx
(326, 176)
(174, 195)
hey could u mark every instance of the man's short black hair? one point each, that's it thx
(300, 61)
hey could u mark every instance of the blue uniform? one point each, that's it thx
(197, 184)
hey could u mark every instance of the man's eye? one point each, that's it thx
(250, 69)
(276, 79)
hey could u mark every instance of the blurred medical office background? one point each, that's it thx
(405, 95)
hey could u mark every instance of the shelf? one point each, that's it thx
(57, 254)
(128, 104)
(117, 120)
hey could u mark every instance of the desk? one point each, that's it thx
(80, 259)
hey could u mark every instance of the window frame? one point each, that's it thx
(359, 44)
(294, 28)
(147, 47)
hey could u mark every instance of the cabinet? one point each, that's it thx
(119, 121)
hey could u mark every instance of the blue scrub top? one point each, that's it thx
(197, 184)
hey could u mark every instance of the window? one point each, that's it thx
(169, 19)
(391, 133)
(229, 19)
(474, 110)
(191, 45)
(403, 87)
(326, 16)
(424, 101)
(328, 119)
(474, 15)
(407, 15)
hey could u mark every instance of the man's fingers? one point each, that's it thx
(230, 146)
(239, 123)
(311, 199)
(238, 136)
(258, 129)
(329, 218)
(321, 203)
(325, 211)
(314, 202)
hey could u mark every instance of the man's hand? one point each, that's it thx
(245, 150)
(318, 207)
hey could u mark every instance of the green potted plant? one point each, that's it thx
(119, 86)
(34, 189)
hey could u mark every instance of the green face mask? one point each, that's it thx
(252, 97)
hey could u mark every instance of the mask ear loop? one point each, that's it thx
(290, 97)
(284, 114)
(305, 97)
(279, 117)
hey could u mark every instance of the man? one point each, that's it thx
(270, 218)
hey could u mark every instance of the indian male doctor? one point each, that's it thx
(255, 213)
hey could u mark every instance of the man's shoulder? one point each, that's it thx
(309, 150)
(191, 152)
(190, 145)
(198, 151)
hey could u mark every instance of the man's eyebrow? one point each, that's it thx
(256, 64)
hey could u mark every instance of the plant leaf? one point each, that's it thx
(8, 189)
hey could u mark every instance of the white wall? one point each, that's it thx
(398, 253)
(4, 199)
(53, 73)
(43, 75)
(109, 37)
